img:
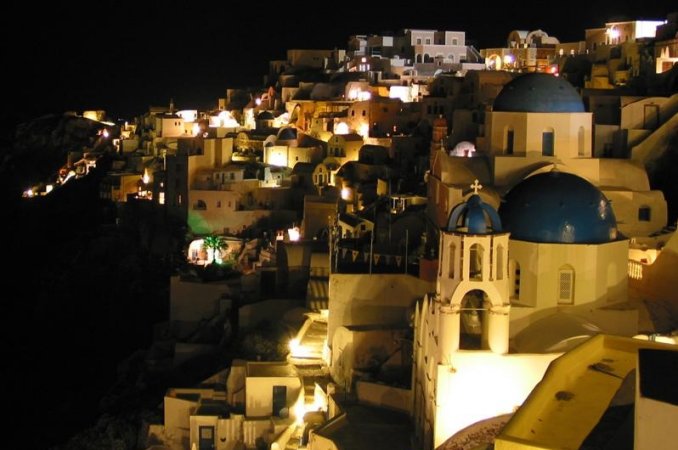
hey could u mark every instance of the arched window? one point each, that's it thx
(200, 205)
(476, 262)
(452, 255)
(427, 58)
(581, 140)
(500, 262)
(418, 58)
(547, 142)
(566, 285)
(510, 137)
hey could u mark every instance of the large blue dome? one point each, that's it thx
(558, 207)
(538, 92)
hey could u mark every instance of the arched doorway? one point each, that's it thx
(473, 326)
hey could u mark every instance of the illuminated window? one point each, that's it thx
(644, 213)
(566, 285)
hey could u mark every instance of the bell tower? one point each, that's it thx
(472, 278)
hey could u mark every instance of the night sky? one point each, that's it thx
(124, 56)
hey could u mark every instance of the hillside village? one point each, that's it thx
(474, 247)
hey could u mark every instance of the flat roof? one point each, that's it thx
(271, 369)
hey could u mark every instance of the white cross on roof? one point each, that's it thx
(476, 186)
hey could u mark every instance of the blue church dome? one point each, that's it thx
(474, 216)
(539, 92)
(287, 134)
(558, 207)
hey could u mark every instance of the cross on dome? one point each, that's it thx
(476, 186)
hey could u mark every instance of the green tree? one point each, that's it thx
(214, 244)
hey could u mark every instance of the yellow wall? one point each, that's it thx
(259, 394)
(569, 141)
(481, 385)
(655, 424)
(547, 422)
(362, 299)
(600, 279)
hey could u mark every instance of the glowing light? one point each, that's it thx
(613, 33)
(364, 130)
(508, 59)
(196, 129)
(345, 194)
(281, 120)
(28, 193)
(401, 92)
(146, 178)
(294, 346)
(294, 234)
(299, 411)
(105, 133)
(341, 128)
(357, 94)
(49, 188)
(257, 101)
(189, 115)
(277, 158)
(226, 119)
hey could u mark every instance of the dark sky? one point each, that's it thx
(125, 56)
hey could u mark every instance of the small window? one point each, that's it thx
(218, 203)
(452, 255)
(455, 42)
(364, 113)
(418, 41)
(428, 41)
(566, 286)
(353, 113)
(509, 141)
(547, 143)
(644, 213)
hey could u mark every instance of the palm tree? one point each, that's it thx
(214, 244)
